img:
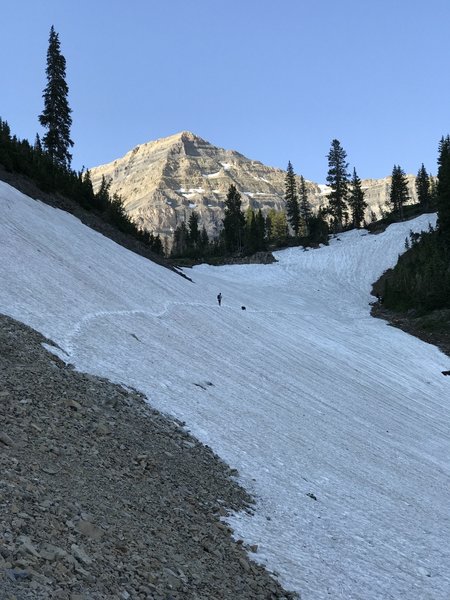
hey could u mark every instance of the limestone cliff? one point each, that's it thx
(163, 181)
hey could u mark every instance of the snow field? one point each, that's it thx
(309, 394)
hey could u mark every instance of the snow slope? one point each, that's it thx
(304, 393)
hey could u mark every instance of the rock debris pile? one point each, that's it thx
(102, 497)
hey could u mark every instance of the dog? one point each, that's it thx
(243, 308)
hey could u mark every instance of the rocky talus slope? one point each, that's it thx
(163, 181)
(103, 498)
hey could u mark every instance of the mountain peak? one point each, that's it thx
(162, 181)
(188, 136)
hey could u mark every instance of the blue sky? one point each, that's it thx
(276, 81)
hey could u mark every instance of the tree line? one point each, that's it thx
(421, 278)
(345, 208)
(48, 162)
(249, 232)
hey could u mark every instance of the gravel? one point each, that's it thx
(102, 497)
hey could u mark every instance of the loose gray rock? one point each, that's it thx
(103, 498)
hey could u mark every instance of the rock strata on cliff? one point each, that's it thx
(163, 181)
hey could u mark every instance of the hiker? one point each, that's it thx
(219, 298)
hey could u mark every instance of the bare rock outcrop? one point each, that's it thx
(163, 181)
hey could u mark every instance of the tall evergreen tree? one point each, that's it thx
(250, 231)
(399, 193)
(268, 226)
(102, 197)
(56, 114)
(234, 221)
(304, 206)
(37, 144)
(356, 201)
(180, 240)
(443, 190)
(423, 187)
(338, 180)
(261, 230)
(291, 198)
(204, 240)
(433, 190)
(87, 195)
(318, 227)
(194, 231)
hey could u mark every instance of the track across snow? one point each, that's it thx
(337, 423)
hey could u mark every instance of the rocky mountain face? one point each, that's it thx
(162, 182)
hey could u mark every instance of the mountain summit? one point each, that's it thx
(163, 181)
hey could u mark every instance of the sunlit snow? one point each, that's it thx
(338, 424)
(324, 189)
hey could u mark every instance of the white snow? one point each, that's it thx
(310, 394)
(260, 178)
(324, 189)
(226, 166)
(212, 175)
(191, 193)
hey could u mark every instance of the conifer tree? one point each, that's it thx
(261, 230)
(204, 240)
(250, 230)
(115, 213)
(268, 226)
(234, 221)
(443, 190)
(304, 206)
(254, 241)
(255, 231)
(433, 190)
(399, 194)
(194, 232)
(55, 117)
(279, 225)
(157, 245)
(249, 216)
(37, 144)
(291, 198)
(5, 145)
(87, 196)
(180, 240)
(423, 187)
(318, 227)
(337, 179)
(356, 201)
(102, 197)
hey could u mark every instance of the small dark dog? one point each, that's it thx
(243, 308)
(445, 372)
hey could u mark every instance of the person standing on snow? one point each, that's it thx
(219, 298)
